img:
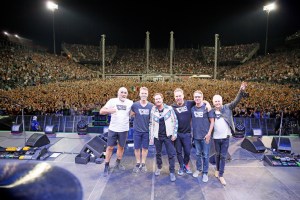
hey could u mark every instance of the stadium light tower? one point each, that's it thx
(268, 8)
(52, 6)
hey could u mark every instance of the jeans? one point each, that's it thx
(221, 146)
(202, 154)
(170, 151)
(183, 141)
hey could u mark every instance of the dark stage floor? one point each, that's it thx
(247, 175)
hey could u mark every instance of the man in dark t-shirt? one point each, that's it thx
(141, 112)
(183, 142)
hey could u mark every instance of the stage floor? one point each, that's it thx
(247, 175)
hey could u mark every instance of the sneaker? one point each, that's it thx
(143, 168)
(157, 172)
(119, 166)
(180, 172)
(222, 180)
(196, 173)
(136, 169)
(204, 178)
(187, 169)
(217, 174)
(172, 177)
(106, 169)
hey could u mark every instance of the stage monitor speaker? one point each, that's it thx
(253, 144)
(16, 129)
(37, 140)
(285, 144)
(50, 129)
(95, 146)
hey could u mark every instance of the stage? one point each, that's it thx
(247, 175)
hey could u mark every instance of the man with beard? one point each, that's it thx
(163, 130)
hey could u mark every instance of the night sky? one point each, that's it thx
(125, 22)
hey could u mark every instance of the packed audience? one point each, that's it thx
(44, 84)
(83, 96)
(283, 68)
(22, 67)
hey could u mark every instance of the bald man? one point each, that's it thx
(119, 109)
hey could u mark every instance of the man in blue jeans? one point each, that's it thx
(203, 124)
(223, 129)
(163, 130)
(183, 143)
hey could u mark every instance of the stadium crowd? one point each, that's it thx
(46, 84)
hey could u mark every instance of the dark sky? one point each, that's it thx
(125, 22)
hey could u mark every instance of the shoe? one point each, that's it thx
(222, 180)
(119, 166)
(204, 178)
(106, 169)
(180, 172)
(187, 169)
(143, 168)
(136, 169)
(217, 174)
(196, 173)
(172, 177)
(157, 172)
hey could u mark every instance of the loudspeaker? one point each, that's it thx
(16, 128)
(94, 146)
(285, 144)
(37, 140)
(50, 129)
(253, 144)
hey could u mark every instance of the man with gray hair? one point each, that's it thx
(223, 129)
(119, 109)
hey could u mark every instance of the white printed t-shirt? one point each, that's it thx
(119, 121)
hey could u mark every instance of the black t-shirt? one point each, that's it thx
(162, 125)
(184, 116)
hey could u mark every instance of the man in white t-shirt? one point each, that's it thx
(119, 109)
(223, 129)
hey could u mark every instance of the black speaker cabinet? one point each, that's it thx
(16, 129)
(50, 129)
(284, 144)
(37, 140)
(94, 146)
(253, 144)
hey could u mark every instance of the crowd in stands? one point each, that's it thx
(229, 54)
(43, 83)
(22, 67)
(81, 97)
(283, 68)
(87, 53)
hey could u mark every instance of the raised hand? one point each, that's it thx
(243, 85)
